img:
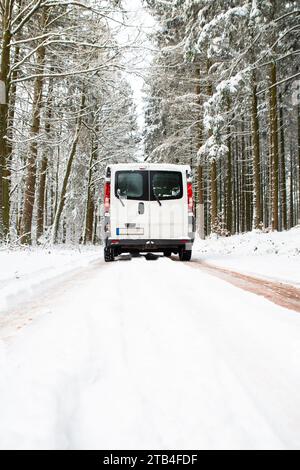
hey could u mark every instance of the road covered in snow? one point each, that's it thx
(144, 354)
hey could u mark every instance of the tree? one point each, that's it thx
(49, 51)
(244, 53)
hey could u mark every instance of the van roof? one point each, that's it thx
(149, 166)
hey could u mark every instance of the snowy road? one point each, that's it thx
(149, 354)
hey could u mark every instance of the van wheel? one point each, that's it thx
(108, 255)
(168, 253)
(185, 255)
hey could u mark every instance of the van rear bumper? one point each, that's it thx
(149, 245)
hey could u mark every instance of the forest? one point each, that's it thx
(221, 93)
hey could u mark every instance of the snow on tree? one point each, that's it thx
(68, 111)
(233, 65)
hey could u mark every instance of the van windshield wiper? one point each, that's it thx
(157, 198)
(119, 197)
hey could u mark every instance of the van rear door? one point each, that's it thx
(168, 205)
(130, 216)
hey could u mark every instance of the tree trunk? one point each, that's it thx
(90, 206)
(214, 196)
(61, 202)
(256, 157)
(88, 238)
(283, 171)
(229, 221)
(243, 204)
(12, 91)
(29, 195)
(213, 176)
(237, 194)
(234, 154)
(43, 170)
(275, 147)
(56, 190)
(200, 211)
(291, 191)
(249, 191)
(4, 155)
(95, 226)
(199, 137)
(298, 162)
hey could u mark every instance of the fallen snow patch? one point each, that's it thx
(24, 272)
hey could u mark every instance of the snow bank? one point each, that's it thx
(24, 271)
(269, 255)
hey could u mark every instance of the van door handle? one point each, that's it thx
(141, 208)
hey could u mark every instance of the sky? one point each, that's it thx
(139, 57)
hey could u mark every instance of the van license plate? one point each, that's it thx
(130, 231)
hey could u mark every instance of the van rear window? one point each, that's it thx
(132, 185)
(166, 185)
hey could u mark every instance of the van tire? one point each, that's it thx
(185, 255)
(108, 255)
(168, 253)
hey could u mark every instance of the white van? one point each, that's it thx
(148, 208)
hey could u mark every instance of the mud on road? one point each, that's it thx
(279, 293)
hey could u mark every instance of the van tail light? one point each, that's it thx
(190, 197)
(107, 197)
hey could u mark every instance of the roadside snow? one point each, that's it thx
(24, 272)
(274, 256)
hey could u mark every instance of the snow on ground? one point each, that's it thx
(26, 271)
(151, 355)
(270, 255)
